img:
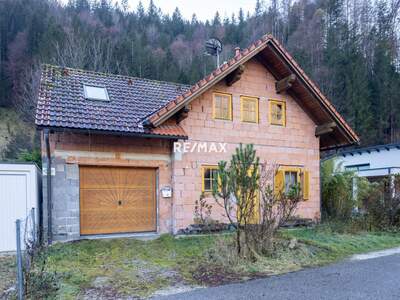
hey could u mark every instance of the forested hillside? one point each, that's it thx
(349, 47)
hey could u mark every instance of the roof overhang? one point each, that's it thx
(153, 134)
(280, 64)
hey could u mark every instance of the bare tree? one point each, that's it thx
(27, 92)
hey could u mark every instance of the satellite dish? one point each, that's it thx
(214, 48)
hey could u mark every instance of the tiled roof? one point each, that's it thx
(240, 57)
(169, 130)
(61, 101)
(136, 101)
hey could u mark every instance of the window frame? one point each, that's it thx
(86, 92)
(256, 100)
(272, 121)
(289, 170)
(303, 178)
(203, 171)
(230, 106)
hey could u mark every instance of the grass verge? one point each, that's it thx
(122, 267)
(7, 274)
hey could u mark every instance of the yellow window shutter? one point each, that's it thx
(306, 185)
(279, 181)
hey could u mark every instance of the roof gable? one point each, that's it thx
(281, 65)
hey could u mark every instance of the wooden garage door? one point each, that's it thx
(117, 199)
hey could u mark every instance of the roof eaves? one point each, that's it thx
(198, 88)
(369, 149)
(114, 132)
(316, 91)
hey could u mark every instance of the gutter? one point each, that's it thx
(48, 186)
(112, 132)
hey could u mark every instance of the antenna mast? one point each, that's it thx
(214, 48)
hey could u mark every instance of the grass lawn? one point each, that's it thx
(121, 267)
(7, 273)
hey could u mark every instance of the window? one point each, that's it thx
(287, 177)
(277, 112)
(222, 106)
(208, 175)
(95, 93)
(249, 109)
(291, 180)
(361, 167)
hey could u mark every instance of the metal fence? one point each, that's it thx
(27, 241)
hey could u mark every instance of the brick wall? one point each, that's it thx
(71, 150)
(294, 144)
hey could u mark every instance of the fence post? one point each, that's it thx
(33, 216)
(20, 276)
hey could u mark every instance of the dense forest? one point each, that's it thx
(351, 48)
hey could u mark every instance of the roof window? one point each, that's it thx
(95, 93)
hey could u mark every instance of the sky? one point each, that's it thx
(204, 9)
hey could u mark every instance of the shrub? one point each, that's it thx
(245, 192)
(382, 204)
(337, 191)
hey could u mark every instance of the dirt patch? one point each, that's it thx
(147, 271)
(176, 289)
(104, 293)
(217, 275)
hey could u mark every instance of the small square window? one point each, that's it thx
(249, 109)
(95, 93)
(209, 173)
(222, 106)
(277, 112)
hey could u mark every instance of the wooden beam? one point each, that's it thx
(285, 83)
(182, 114)
(234, 76)
(324, 128)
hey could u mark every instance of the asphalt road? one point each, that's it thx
(377, 278)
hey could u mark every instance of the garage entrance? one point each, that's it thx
(117, 200)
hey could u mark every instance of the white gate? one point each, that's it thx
(19, 193)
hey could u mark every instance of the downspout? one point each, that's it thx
(49, 187)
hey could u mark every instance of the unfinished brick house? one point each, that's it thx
(108, 140)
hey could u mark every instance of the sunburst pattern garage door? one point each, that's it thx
(117, 200)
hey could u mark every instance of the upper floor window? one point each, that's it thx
(95, 93)
(277, 112)
(222, 106)
(249, 109)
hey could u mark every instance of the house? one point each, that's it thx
(373, 162)
(109, 141)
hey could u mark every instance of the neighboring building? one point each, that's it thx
(20, 192)
(372, 162)
(110, 140)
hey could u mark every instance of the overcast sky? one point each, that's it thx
(204, 9)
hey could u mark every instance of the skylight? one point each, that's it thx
(95, 93)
